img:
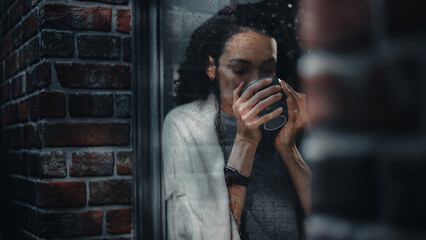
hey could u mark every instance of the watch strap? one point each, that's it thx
(232, 176)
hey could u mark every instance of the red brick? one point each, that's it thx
(4, 92)
(22, 110)
(23, 56)
(29, 26)
(127, 50)
(334, 24)
(18, 87)
(61, 194)
(52, 164)
(89, 75)
(114, 191)
(38, 77)
(32, 137)
(86, 134)
(122, 22)
(33, 51)
(47, 164)
(33, 106)
(57, 44)
(327, 102)
(123, 105)
(12, 64)
(26, 6)
(10, 113)
(119, 220)
(90, 105)
(15, 14)
(98, 46)
(62, 16)
(122, 2)
(5, 47)
(405, 17)
(91, 164)
(16, 138)
(124, 162)
(16, 37)
(70, 224)
(4, 25)
(51, 104)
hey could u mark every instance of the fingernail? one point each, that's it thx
(288, 88)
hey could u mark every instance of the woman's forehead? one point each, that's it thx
(250, 45)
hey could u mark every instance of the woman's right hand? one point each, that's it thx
(247, 107)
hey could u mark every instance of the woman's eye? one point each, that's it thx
(239, 71)
(268, 71)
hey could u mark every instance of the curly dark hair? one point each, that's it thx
(273, 19)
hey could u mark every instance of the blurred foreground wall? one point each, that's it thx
(364, 72)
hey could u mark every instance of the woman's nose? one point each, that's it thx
(255, 75)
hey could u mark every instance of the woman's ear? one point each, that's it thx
(211, 69)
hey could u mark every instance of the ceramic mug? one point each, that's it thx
(278, 122)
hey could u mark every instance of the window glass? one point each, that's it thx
(224, 152)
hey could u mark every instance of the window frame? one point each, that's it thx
(146, 121)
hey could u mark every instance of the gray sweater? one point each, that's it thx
(271, 200)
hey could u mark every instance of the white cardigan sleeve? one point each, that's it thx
(197, 201)
(182, 222)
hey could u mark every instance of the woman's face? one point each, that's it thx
(246, 57)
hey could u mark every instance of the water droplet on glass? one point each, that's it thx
(289, 5)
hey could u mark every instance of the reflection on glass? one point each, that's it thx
(225, 177)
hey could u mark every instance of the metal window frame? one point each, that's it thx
(146, 121)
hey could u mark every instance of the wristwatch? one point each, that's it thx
(232, 176)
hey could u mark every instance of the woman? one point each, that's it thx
(215, 132)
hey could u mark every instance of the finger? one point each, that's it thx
(292, 91)
(236, 92)
(261, 95)
(255, 88)
(287, 90)
(298, 98)
(291, 107)
(269, 116)
(265, 103)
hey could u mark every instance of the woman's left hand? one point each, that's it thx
(297, 117)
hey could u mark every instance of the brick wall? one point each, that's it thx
(364, 70)
(65, 119)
